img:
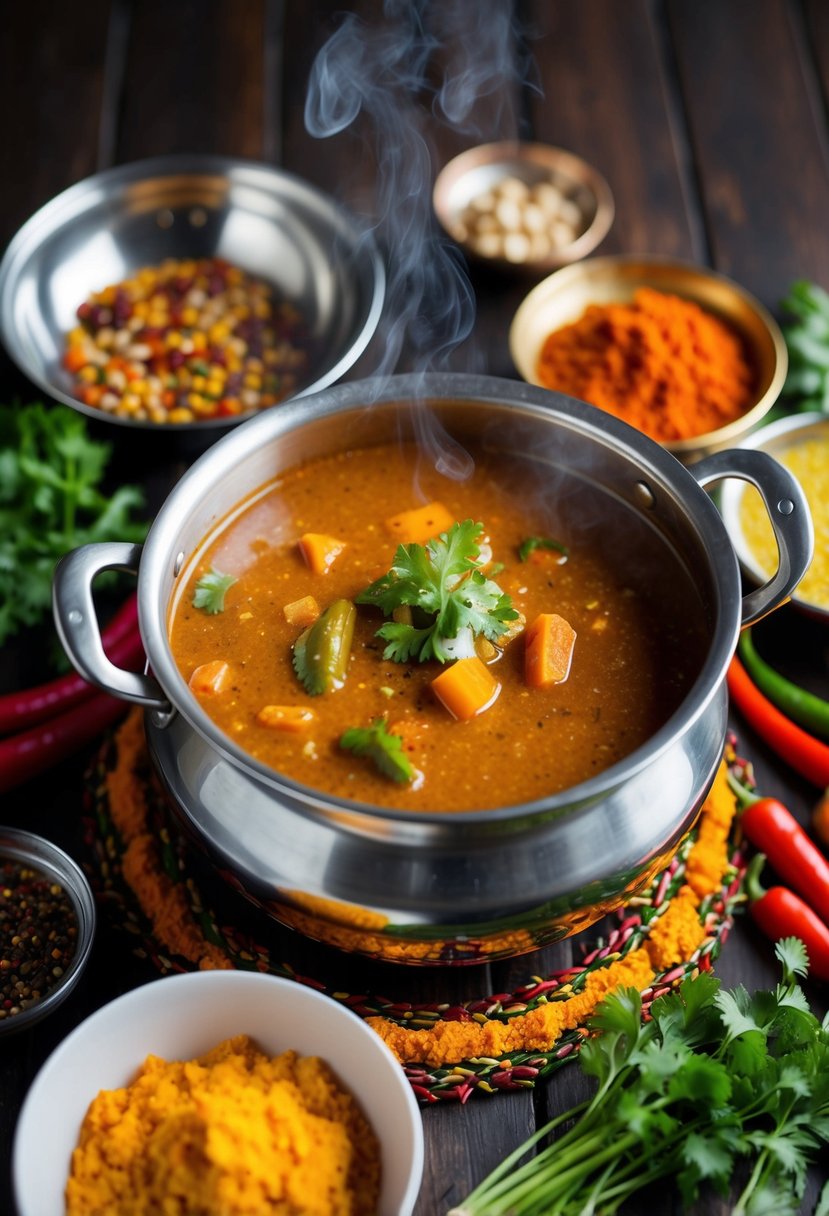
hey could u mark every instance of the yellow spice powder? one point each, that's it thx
(233, 1133)
(809, 461)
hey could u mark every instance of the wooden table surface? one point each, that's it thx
(709, 120)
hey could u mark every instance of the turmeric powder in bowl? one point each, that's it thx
(232, 1133)
(660, 363)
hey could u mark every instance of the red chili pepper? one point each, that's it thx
(25, 708)
(774, 831)
(803, 752)
(780, 913)
(34, 751)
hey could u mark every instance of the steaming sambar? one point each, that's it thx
(374, 629)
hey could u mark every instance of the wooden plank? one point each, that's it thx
(606, 97)
(463, 1144)
(759, 143)
(194, 80)
(51, 85)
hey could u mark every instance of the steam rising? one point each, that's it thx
(428, 57)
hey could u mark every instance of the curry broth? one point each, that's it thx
(635, 612)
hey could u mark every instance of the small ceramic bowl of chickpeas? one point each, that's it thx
(523, 206)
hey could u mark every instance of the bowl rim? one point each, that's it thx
(766, 439)
(63, 208)
(30, 848)
(198, 985)
(732, 431)
(569, 164)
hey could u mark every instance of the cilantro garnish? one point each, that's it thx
(714, 1085)
(51, 502)
(448, 592)
(532, 543)
(211, 590)
(384, 748)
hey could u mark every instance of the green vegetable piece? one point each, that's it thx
(532, 543)
(322, 652)
(443, 581)
(211, 590)
(384, 748)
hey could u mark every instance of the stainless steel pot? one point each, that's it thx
(430, 887)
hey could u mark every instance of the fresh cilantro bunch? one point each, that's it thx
(715, 1082)
(447, 592)
(50, 502)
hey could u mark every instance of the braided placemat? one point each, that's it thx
(215, 927)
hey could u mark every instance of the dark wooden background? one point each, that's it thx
(709, 120)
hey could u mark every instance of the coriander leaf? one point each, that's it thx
(51, 501)
(702, 1081)
(381, 746)
(448, 592)
(532, 543)
(211, 590)
(793, 955)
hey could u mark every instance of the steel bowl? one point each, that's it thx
(266, 221)
(479, 170)
(427, 886)
(30, 850)
(563, 297)
(777, 438)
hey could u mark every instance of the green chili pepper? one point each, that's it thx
(796, 703)
(322, 652)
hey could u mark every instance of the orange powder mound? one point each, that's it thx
(660, 363)
(162, 901)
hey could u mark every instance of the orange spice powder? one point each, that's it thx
(660, 363)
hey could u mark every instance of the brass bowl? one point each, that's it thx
(563, 297)
(481, 169)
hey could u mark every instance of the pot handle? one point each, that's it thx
(788, 513)
(77, 621)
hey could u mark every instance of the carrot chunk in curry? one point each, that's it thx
(549, 644)
(320, 551)
(466, 688)
(344, 699)
(210, 678)
(420, 524)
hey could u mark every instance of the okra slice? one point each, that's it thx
(322, 651)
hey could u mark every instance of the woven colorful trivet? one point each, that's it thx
(155, 890)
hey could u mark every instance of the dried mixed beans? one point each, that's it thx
(185, 341)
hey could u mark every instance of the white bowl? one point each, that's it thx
(183, 1016)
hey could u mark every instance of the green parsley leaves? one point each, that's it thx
(211, 590)
(712, 1080)
(384, 748)
(51, 502)
(447, 592)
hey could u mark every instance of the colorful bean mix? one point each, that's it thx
(38, 936)
(183, 341)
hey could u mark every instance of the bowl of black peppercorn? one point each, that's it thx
(47, 927)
